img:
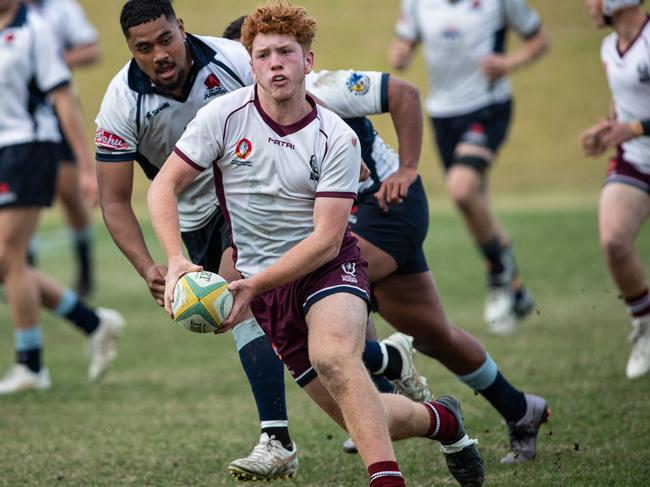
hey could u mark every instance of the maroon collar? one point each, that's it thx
(284, 130)
(622, 53)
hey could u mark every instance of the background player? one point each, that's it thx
(624, 200)
(469, 103)
(77, 39)
(305, 279)
(32, 73)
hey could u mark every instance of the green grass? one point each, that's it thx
(176, 408)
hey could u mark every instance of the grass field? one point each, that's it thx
(176, 408)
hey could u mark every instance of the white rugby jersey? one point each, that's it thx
(30, 67)
(354, 95)
(628, 74)
(136, 122)
(269, 175)
(454, 36)
(68, 21)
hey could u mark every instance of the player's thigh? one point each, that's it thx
(336, 327)
(380, 263)
(622, 210)
(411, 304)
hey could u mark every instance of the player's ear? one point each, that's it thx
(181, 27)
(309, 62)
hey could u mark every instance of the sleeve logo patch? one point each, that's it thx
(108, 140)
(358, 83)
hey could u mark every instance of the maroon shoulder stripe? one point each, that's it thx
(335, 194)
(180, 154)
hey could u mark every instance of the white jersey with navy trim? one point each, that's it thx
(68, 21)
(268, 176)
(355, 95)
(454, 36)
(628, 74)
(31, 65)
(136, 122)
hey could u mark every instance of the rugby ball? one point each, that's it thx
(201, 301)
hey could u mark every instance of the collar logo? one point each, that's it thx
(9, 39)
(243, 149)
(212, 81)
(214, 86)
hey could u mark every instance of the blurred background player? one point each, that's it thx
(390, 221)
(33, 75)
(625, 198)
(469, 103)
(78, 40)
(286, 172)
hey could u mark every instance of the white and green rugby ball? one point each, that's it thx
(201, 301)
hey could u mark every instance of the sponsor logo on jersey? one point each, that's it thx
(451, 33)
(315, 173)
(476, 4)
(155, 112)
(349, 271)
(644, 72)
(9, 39)
(358, 83)
(243, 149)
(108, 140)
(213, 84)
(281, 143)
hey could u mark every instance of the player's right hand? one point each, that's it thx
(590, 140)
(243, 291)
(176, 267)
(155, 277)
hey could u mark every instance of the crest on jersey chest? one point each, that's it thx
(243, 150)
(214, 86)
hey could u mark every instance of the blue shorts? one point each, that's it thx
(400, 232)
(206, 245)
(486, 127)
(28, 174)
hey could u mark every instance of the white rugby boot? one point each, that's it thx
(269, 460)
(101, 343)
(639, 362)
(410, 384)
(499, 314)
(21, 378)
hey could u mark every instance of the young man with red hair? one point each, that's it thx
(287, 175)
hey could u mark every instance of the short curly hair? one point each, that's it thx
(279, 17)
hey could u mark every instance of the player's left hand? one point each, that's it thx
(615, 133)
(494, 66)
(243, 291)
(395, 188)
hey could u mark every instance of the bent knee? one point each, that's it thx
(616, 246)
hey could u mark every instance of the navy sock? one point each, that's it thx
(492, 251)
(77, 312)
(373, 357)
(265, 374)
(30, 358)
(382, 383)
(394, 368)
(28, 346)
(505, 398)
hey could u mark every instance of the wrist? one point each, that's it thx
(636, 127)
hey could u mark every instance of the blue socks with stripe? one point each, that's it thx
(28, 344)
(488, 381)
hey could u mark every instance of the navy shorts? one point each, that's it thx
(400, 232)
(28, 174)
(67, 156)
(486, 127)
(621, 171)
(281, 312)
(206, 245)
